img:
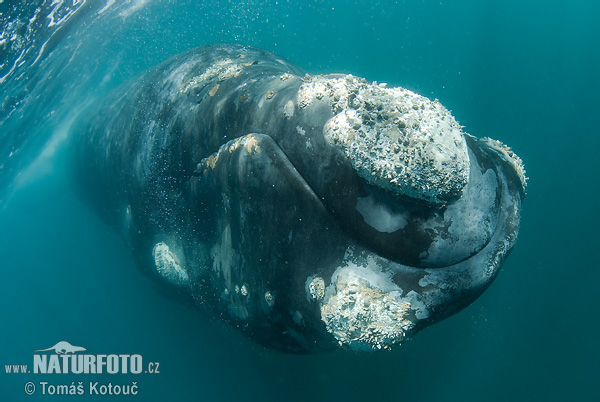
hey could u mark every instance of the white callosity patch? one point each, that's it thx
(269, 298)
(223, 69)
(509, 155)
(364, 317)
(364, 310)
(380, 216)
(248, 142)
(394, 138)
(288, 109)
(168, 265)
(315, 287)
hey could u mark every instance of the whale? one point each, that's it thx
(311, 212)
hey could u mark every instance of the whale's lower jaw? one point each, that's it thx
(284, 203)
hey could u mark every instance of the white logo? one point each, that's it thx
(64, 347)
(66, 361)
(71, 359)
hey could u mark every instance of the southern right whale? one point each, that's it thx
(309, 211)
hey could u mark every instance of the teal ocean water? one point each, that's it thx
(523, 72)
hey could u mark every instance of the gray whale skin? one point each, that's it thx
(312, 212)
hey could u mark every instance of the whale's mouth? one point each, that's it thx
(374, 299)
(423, 235)
(372, 303)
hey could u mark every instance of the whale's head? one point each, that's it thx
(428, 212)
(374, 206)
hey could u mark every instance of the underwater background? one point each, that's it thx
(523, 72)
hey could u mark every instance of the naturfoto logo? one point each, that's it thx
(65, 360)
(63, 347)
